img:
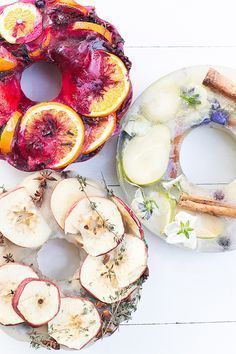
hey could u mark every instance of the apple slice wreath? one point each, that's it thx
(112, 277)
(36, 301)
(99, 222)
(11, 275)
(77, 323)
(20, 221)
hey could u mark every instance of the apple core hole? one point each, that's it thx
(207, 156)
(58, 259)
(41, 82)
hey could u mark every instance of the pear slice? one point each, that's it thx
(67, 193)
(20, 221)
(112, 277)
(99, 222)
(146, 158)
(11, 275)
(209, 226)
(77, 323)
(36, 301)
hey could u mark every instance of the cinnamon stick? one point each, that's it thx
(204, 205)
(220, 83)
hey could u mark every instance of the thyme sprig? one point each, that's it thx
(106, 224)
(38, 340)
(190, 97)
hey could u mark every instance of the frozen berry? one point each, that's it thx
(40, 3)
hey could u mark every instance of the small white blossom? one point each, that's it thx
(182, 230)
(145, 207)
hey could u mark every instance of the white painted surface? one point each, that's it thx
(196, 290)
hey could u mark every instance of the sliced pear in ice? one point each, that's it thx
(20, 221)
(11, 275)
(154, 208)
(111, 278)
(77, 323)
(67, 193)
(99, 222)
(36, 301)
(146, 158)
(161, 101)
(209, 226)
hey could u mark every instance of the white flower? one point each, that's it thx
(144, 207)
(181, 230)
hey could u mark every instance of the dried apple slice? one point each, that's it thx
(71, 188)
(11, 275)
(132, 224)
(8, 133)
(77, 323)
(51, 136)
(90, 26)
(36, 301)
(98, 133)
(20, 221)
(7, 60)
(112, 277)
(20, 23)
(99, 222)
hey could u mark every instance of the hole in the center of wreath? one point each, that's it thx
(41, 82)
(58, 259)
(208, 155)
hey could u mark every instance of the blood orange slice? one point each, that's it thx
(97, 134)
(90, 26)
(20, 23)
(72, 3)
(51, 135)
(8, 133)
(7, 60)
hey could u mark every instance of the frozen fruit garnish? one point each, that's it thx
(20, 23)
(7, 60)
(10, 95)
(40, 3)
(99, 87)
(51, 134)
(94, 27)
(8, 133)
(98, 131)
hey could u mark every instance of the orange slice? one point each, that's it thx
(7, 60)
(112, 96)
(89, 26)
(72, 3)
(8, 133)
(20, 23)
(96, 135)
(51, 133)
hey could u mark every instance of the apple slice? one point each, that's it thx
(77, 323)
(20, 221)
(146, 158)
(99, 222)
(36, 301)
(71, 189)
(11, 275)
(112, 277)
(131, 222)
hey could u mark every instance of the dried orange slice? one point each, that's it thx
(96, 135)
(116, 86)
(72, 3)
(8, 133)
(20, 23)
(90, 26)
(7, 60)
(51, 135)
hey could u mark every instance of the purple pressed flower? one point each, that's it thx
(219, 195)
(220, 116)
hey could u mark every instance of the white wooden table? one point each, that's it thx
(189, 302)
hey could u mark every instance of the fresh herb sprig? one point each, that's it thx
(191, 98)
(185, 229)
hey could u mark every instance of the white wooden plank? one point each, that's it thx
(163, 339)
